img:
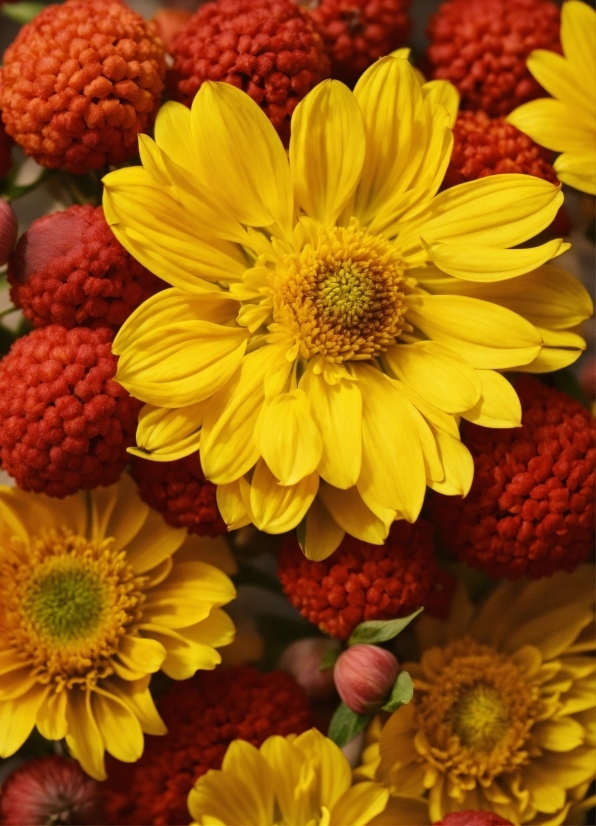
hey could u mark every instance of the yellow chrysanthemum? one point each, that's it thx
(300, 780)
(310, 346)
(566, 122)
(92, 602)
(504, 712)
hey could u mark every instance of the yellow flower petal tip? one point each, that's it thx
(92, 602)
(332, 314)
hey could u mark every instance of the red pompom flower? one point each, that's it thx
(530, 511)
(65, 424)
(361, 582)
(69, 269)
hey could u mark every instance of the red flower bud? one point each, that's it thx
(302, 659)
(470, 818)
(364, 675)
(8, 231)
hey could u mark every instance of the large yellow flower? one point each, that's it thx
(92, 602)
(566, 122)
(310, 346)
(289, 781)
(504, 711)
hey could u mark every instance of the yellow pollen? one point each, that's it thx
(343, 298)
(475, 714)
(65, 603)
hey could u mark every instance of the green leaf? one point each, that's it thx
(377, 631)
(401, 693)
(22, 12)
(329, 659)
(346, 724)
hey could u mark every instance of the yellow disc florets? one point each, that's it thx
(343, 297)
(477, 713)
(65, 603)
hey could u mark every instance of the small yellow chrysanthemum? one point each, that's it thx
(311, 346)
(504, 709)
(566, 122)
(289, 781)
(96, 594)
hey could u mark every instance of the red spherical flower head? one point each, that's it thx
(180, 492)
(50, 790)
(80, 82)
(65, 424)
(484, 146)
(203, 716)
(269, 48)
(6, 143)
(69, 269)
(530, 511)
(470, 818)
(359, 581)
(359, 32)
(482, 47)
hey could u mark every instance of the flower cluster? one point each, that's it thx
(288, 319)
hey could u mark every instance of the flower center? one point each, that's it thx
(342, 297)
(476, 713)
(65, 603)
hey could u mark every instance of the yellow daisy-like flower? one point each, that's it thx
(96, 594)
(310, 345)
(504, 710)
(300, 780)
(566, 122)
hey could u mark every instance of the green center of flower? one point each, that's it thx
(66, 603)
(479, 717)
(342, 296)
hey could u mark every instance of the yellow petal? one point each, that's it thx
(290, 441)
(17, 718)
(563, 734)
(337, 410)
(437, 374)
(169, 434)
(473, 262)
(187, 595)
(484, 334)
(551, 359)
(228, 449)
(278, 508)
(578, 169)
(392, 460)
(185, 657)
(51, 716)
(578, 37)
(173, 134)
(322, 535)
(231, 506)
(396, 130)
(498, 406)
(457, 463)
(20, 512)
(141, 655)
(241, 157)
(155, 542)
(182, 363)
(560, 78)
(333, 770)
(360, 804)
(120, 730)
(353, 515)
(444, 93)
(551, 123)
(289, 778)
(498, 211)
(444, 421)
(326, 150)
(137, 696)
(84, 737)
(117, 512)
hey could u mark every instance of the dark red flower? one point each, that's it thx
(50, 790)
(530, 511)
(359, 32)
(203, 716)
(181, 493)
(269, 48)
(482, 47)
(65, 424)
(69, 269)
(80, 82)
(361, 582)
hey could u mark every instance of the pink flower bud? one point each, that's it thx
(302, 659)
(8, 231)
(50, 790)
(364, 676)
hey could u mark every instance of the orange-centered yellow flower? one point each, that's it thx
(566, 122)
(504, 706)
(96, 594)
(331, 316)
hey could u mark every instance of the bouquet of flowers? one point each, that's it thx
(296, 424)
